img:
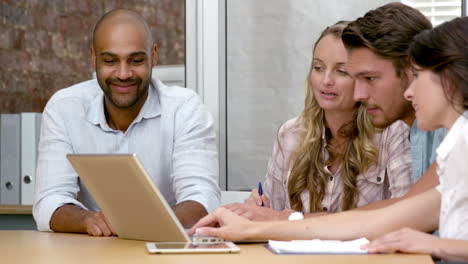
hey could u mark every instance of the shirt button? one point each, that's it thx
(331, 178)
(325, 209)
(379, 179)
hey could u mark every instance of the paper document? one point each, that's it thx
(318, 246)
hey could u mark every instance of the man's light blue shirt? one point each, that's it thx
(173, 136)
(423, 148)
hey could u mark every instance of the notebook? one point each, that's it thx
(130, 201)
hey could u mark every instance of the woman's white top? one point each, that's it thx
(452, 161)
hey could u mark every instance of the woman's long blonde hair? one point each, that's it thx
(307, 161)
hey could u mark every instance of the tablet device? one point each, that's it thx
(176, 248)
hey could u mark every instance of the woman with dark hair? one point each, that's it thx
(439, 95)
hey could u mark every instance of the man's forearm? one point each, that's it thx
(189, 212)
(69, 218)
(428, 181)
(379, 204)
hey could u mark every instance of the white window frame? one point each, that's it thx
(205, 64)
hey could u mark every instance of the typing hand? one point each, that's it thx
(256, 199)
(224, 224)
(97, 224)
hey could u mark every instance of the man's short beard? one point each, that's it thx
(142, 90)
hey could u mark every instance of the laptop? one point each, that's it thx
(130, 201)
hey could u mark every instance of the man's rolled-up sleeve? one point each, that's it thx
(195, 157)
(56, 180)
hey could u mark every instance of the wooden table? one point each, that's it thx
(27, 247)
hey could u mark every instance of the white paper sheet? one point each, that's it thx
(318, 246)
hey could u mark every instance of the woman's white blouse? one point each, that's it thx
(452, 161)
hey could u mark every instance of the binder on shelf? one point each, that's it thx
(30, 130)
(0, 159)
(10, 159)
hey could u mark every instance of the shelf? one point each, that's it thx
(16, 209)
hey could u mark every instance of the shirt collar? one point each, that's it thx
(151, 108)
(414, 130)
(449, 142)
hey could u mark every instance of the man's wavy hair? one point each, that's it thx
(387, 31)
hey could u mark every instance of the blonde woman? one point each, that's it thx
(329, 158)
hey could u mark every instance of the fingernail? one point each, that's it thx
(199, 232)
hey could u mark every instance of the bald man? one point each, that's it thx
(125, 111)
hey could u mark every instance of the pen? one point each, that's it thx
(260, 191)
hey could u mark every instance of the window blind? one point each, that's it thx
(437, 11)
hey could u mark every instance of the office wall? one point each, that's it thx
(44, 44)
(269, 46)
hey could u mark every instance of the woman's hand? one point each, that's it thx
(224, 224)
(258, 213)
(405, 240)
(256, 199)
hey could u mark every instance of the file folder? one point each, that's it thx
(0, 159)
(30, 130)
(10, 159)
